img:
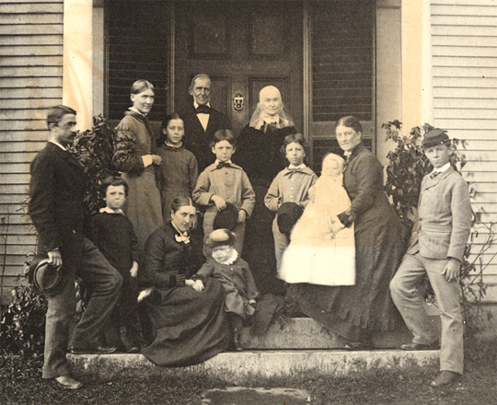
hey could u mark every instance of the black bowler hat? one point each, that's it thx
(288, 215)
(45, 277)
(435, 137)
(226, 218)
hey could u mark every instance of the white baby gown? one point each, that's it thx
(321, 250)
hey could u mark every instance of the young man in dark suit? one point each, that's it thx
(59, 214)
(437, 249)
(202, 121)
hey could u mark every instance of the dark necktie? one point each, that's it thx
(223, 164)
(203, 109)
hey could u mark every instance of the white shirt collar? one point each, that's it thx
(136, 111)
(110, 211)
(302, 166)
(59, 145)
(218, 161)
(195, 104)
(442, 169)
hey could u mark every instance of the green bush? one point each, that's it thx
(22, 328)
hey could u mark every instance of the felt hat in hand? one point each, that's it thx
(435, 137)
(226, 218)
(288, 215)
(45, 277)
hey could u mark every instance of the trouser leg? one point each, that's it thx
(448, 302)
(60, 313)
(106, 288)
(407, 298)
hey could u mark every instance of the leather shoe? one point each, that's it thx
(68, 383)
(445, 378)
(420, 346)
(96, 350)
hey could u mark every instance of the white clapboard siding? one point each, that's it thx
(31, 57)
(464, 78)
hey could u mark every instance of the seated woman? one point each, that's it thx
(189, 327)
(322, 250)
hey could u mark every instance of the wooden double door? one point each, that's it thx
(243, 46)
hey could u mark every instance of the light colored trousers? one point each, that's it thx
(405, 295)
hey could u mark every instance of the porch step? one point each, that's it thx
(242, 367)
(306, 333)
(299, 345)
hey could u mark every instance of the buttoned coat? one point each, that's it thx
(56, 206)
(444, 217)
(230, 183)
(197, 140)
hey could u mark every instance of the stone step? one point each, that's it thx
(309, 348)
(242, 367)
(306, 333)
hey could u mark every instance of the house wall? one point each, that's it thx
(455, 73)
(464, 87)
(31, 59)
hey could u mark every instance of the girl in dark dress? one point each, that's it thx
(189, 327)
(356, 311)
(258, 152)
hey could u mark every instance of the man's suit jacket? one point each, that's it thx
(444, 211)
(56, 204)
(197, 140)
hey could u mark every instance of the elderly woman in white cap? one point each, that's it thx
(259, 154)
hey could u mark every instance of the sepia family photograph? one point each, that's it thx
(248, 201)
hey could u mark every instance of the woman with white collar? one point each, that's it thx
(135, 156)
(189, 326)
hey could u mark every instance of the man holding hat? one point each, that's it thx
(58, 212)
(437, 249)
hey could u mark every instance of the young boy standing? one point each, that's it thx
(114, 235)
(224, 182)
(292, 184)
(437, 249)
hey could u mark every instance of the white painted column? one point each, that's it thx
(78, 64)
(427, 70)
(412, 63)
(388, 71)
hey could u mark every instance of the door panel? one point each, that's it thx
(243, 46)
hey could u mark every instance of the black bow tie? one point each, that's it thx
(223, 164)
(434, 174)
(203, 109)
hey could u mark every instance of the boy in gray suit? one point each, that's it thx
(437, 249)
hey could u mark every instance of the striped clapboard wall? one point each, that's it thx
(464, 56)
(30, 81)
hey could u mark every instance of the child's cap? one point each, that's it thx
(220, 237)
(435, 137)
(288, 215)
(226, 218)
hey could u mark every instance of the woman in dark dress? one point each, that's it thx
(189, 327)
(135, 155)
(258, 153)
(356, 311)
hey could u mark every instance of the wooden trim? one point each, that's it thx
(307, 78)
